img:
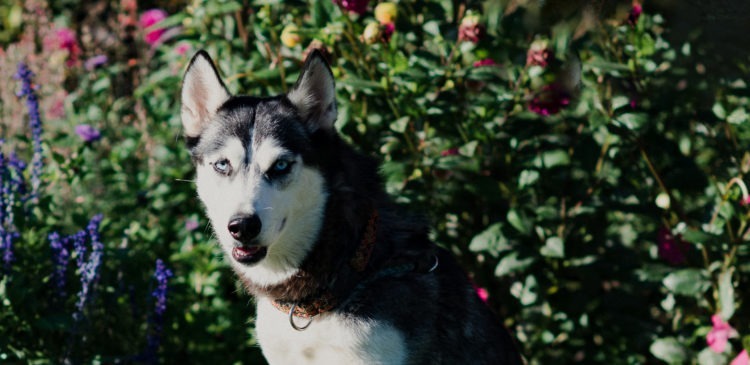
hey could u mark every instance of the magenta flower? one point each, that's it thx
(719, 335)
(388, 29)
(147, 20)
(63, 39)
(635, 13)
(550, 100)
(485, 62)
(671, 249)
(741, 359)
(483, 294)
(353, 6)
(87, 133)
(449, 152)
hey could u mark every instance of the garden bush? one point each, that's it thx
(585, 161)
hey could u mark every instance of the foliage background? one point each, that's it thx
(591, 177)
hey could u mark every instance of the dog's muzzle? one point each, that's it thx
(245, 229)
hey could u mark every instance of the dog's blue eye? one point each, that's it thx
(223, 167)
(281, 166)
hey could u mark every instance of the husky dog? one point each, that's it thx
(339, 276)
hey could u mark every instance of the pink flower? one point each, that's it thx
(191, 225)
(63, 39)
(741, 359)
(388, 29)
(353, 6)
(550, 100)
(635, 13)
(483, 294)
(719, 335)
(182, 48)
(147, 20)
(485, 62)
(745, 200)
(671, 249)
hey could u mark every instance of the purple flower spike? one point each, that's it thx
(35, 122)
(162, 275)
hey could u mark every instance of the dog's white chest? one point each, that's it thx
(330, 339)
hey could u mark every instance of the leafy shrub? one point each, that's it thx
(587, 169)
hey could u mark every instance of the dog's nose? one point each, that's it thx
(244, 228)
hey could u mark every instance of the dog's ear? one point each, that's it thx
(203, 93)
(314, 93)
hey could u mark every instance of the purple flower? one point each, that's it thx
(88, 269)
(156, 322)
(35, 122)
(87, 133)
(60, 257)
(7, 247)
(94, 62)
(353, 6)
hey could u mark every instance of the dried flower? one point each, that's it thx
(719, 335)
(35, 123)
(353, 6)
(471, 29)
(538, 53)
(148, 20)
(550, 100)
(87, 133)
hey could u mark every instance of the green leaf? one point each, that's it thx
(688, 282)
(631, 121)
(527, 178)
(726, 295)
(400, 124)
(552, 158)
(669, 350)
(511, 263)
(519, 221)
(553, 247)
(709, 357)
(719, 110)
(738, 116)
(491, 240)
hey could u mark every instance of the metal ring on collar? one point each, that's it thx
(435, 265)
(291, 319)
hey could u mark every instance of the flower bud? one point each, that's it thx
(386, 12)
(371, 33)
(290, 36)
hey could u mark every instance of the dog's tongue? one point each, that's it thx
(245, 253)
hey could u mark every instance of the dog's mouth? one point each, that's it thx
(249, 254)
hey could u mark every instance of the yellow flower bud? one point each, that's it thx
(290, 36)
(386, 12)
(371, 33)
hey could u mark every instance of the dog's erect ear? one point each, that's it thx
(314, 93)
(203, 93)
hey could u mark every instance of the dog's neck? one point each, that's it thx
(336, 263)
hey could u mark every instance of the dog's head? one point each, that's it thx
(257, 172)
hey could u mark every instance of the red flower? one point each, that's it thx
(148, 19)
(671, 249)
(550, 100)
(353, 6)
(449, 152)
(635, 13)
(719, 335)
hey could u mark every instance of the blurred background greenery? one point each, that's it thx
(585, 160)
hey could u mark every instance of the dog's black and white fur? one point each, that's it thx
(293, 205)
